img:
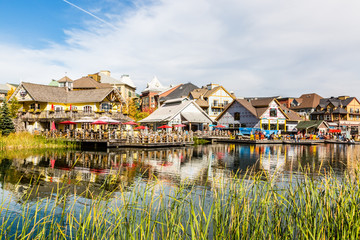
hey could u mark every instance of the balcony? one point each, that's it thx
(217, 105)
(44, 116)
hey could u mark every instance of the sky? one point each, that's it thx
(254, 47)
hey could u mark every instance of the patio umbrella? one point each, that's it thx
(180, 125)
(141, 127)
(165, 126)
(219, 126)
(53, 126)
(130, 123)
(108, 120)
(98, 122)
(68, 122)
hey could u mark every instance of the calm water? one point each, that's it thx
(199, 164)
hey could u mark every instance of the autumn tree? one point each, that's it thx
(14, 104)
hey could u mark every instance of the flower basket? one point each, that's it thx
(31, 110)
(37, 111)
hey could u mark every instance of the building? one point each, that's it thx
(212, 98)
(125, 85)
(42, 104)
(83, 83)
(148, 99)
(164, 94)
(180, 91)
(179, 111)
(5, 88)
(306, 104)
(265, 113)
(341, 112)
(313, 126)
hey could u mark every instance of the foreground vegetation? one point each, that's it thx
(247, 208)
(25, 140)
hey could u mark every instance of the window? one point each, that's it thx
(129, 94)
(357, 110)
(265, 126)
(33, 106)
(351, 110)
(226, 103)
(273, 112)
(215, 103)
(59, 108)
(87, 109)
(106, 107)
(237, 116)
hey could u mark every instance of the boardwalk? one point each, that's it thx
(115, 139)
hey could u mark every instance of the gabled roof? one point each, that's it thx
(54, 83)
(182, 91)
(340, 110)
(197, 93)
(263, 102)
(202, 103)
(65, 79)
(310, 100)
(89, 83)
(258, 107)
(45, 93)
(170, 109)
(206, 93)
(311, 124)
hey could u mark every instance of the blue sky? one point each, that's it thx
(36, 23)
(255, 48)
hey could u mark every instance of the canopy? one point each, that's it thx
(108, 120)
(180, 125)
(98, 122)
(141, 127)
(130, 123)
(334, 131)
(67, 122)
(164, 126)
(219, 126)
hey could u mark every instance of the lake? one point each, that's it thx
(56, 194)
(198, 164)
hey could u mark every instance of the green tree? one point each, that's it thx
(6, 123)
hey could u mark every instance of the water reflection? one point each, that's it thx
(202, 164)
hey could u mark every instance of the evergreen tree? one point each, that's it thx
(6, 123)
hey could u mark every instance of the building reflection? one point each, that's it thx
(203, 164)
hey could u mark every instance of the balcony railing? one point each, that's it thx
(217, 105)
(68, 115)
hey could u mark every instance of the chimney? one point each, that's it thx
(106, 72)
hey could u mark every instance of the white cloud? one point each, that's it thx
(255, 48)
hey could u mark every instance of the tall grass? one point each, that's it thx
(246, 208)
(25, 140)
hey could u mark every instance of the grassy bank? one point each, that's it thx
(246, 208)
(25, 140)
(200, 141)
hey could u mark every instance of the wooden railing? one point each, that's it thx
(121, 136)
(73, 115)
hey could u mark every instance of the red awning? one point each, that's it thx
(334, 131)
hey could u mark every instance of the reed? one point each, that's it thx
(243, 208)
(25, 140)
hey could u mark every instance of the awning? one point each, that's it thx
(195, 117)
(332, 124)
